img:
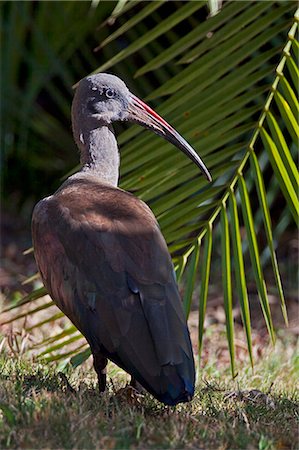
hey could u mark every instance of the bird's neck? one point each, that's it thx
(99, 153)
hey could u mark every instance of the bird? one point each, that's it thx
(101, 254)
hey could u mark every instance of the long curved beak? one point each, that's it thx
(140, 112)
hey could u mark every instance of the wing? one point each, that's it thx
(105, 263)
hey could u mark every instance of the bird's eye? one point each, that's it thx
(110, 93)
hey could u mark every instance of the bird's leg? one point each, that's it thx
(99, 364)
(137, 386)
(133, 382)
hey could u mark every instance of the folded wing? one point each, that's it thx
(105, 263)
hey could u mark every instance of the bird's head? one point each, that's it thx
(104, 98)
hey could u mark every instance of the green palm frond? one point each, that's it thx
(221, 92)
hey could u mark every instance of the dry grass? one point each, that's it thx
(39, 408)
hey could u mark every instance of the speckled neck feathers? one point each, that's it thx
(95, 139)
(99, 153)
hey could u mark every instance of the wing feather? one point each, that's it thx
(105, 263)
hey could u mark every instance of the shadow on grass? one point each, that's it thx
(41, 407)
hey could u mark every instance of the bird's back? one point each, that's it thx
(105, 263)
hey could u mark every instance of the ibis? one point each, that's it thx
(101, 254)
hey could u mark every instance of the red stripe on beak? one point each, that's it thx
(153, 113)
(140, 112)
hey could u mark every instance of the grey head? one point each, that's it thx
(102, 99)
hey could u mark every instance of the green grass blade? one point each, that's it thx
(295, 44)
(192, 270)
(182, 195)
(192, 38)
(281, 174)
(240, 272)
(229, 84)
(221, 53)
(34, 295)
(287, 115)
(54, 317)
(188, 229)
(187, 10)
(180, 267)
(148, 9)
(57, 337)
(64, 355)
(79, 358)
(28, 313)
(63, 344)
(255, 257)
(227, 286)
(289, 95)
(205, 274)
(260, 187)
(229, 30)
(283, 150)
(190, 213)
(293, 70)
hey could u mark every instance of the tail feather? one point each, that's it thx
(171, 386)
(153, 345)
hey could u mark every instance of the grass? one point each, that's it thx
(40, 408)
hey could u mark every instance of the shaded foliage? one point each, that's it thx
(216, 84)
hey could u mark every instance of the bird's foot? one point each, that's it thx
(129, 395)
(137, 386)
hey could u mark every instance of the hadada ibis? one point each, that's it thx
(101, 254)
